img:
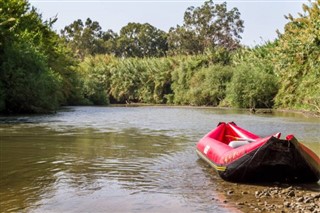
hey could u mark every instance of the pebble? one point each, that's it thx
(277, 199)
(240, 203)
(287, 204)
(300, 199)
(230, 192)
(291, 193)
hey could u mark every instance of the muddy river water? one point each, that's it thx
(124, 159)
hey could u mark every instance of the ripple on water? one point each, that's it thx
(97, 157)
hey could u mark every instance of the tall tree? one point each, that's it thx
(141, 40)
(109, 43)
(183, 41)
(84, 38)
(211, 25)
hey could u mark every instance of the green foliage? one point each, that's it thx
(40, 70)
(141, 40)
(208, 26)
(183, 41)
(62, 61)
(261, 56)
(125, 80)
(297, 60)
(195, 80)
(108, 43)
(95, 74)
(182, 75)
(36, 72)
(208, 86)
(135, 40)
(155, 80)
(251, 86)
(85, 38)
(29, 84)
(254, 83)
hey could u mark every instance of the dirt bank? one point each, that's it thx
(272, 198)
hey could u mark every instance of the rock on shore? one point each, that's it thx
(251, 198)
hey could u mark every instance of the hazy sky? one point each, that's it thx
(261, 17)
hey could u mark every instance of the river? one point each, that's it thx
(123, 159)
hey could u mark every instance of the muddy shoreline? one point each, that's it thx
(275, 197)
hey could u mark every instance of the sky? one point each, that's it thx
(261, 17)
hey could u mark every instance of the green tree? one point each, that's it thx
(141, 40)
(183, 41)
(210, 25)
(36, 71)
(109, 43)
(6, 24)
(84, 38)
(30, 85)
(297, 60)
(27, 82)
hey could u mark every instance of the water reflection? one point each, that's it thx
(38, 165)
(98, 157)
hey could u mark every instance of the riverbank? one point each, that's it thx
(274, 197)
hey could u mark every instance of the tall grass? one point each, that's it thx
(195, 80)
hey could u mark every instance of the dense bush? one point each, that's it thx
(208, 86)
(254, 83)
(252, 87)
(106, 78)
(297, 61)
(95, 74)
(182, 75)
(29, 84)
(155, 80)
(176, 80)
(36, 73)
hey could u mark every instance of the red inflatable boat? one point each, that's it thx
(241, 156)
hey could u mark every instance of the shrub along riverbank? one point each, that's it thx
(185, 80)
(39, 70)
(249, 80)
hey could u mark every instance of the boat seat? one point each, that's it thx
(236, 144)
